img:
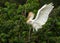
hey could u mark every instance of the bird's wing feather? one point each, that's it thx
(43, 14)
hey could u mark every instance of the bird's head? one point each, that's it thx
(30, 17)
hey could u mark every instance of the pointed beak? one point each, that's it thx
(27, 21)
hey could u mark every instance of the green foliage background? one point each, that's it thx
(13, 27)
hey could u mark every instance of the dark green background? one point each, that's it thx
(13, 27)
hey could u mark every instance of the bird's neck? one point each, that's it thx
(31, 18)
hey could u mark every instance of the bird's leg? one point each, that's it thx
(33, 29)
(29, 36)
(30, 32)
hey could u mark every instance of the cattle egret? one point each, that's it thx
(41, 17)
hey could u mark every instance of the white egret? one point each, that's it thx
(41, 17)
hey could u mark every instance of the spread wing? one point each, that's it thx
(43, 14)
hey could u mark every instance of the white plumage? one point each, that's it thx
(41, 17)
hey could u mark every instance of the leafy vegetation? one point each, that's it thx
(13, 27)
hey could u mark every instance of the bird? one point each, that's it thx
(41, 16)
